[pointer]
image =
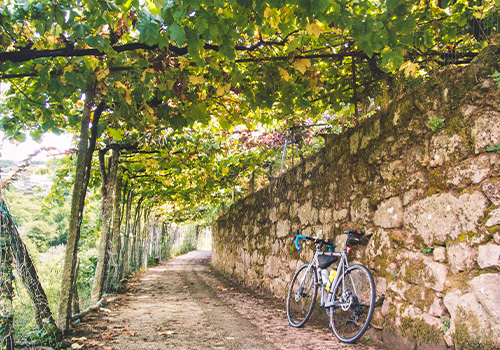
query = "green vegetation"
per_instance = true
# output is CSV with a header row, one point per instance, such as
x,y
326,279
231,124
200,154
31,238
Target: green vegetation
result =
x,y
436,123
468,334
446,324
418,331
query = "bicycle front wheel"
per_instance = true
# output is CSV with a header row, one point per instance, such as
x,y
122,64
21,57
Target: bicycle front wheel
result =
x,y
354,304
302,295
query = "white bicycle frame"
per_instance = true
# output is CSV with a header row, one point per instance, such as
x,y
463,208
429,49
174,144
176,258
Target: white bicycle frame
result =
x,y
342,266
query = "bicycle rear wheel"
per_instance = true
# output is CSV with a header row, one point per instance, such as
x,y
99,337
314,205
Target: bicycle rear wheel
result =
x,y
355,292
302,295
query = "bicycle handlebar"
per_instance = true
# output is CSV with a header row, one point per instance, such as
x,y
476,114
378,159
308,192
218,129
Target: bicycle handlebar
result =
x,y
353,231
321,241
314,239
297,241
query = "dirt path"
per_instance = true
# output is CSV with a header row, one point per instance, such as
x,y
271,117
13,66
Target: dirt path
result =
x,y
181,304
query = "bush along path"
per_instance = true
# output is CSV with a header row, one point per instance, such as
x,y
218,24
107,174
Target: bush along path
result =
x,y
181,304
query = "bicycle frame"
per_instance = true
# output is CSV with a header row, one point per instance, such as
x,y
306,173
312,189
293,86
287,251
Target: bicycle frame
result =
x,y
342,266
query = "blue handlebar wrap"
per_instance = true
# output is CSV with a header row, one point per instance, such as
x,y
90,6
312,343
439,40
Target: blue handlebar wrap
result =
x,y
297,241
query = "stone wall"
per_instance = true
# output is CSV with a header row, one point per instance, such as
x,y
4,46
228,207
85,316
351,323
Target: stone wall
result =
x,y
428,199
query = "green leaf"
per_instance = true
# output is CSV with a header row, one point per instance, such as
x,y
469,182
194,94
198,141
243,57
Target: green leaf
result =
x,y
392,4
177,34
96,41
148,26
293,44
116,134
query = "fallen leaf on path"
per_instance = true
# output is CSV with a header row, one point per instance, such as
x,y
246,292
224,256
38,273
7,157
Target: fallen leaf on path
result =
x,y
107,336
206,302
133,334
93,343
76,346
106,310
166,333
79,339
184,287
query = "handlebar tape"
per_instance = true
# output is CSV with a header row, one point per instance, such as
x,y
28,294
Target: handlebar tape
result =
x,y
297,241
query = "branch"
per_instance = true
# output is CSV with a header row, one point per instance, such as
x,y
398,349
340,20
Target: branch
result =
x,y
360,54
97,306
27,97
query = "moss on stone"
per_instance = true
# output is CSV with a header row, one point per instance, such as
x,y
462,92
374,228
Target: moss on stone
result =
x,y
420,296
469,335
419,332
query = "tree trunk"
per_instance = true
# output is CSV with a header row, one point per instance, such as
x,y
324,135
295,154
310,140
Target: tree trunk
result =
x,y
82,175
124,263
108,191
136,233
145,239
6,278
116,242
76,298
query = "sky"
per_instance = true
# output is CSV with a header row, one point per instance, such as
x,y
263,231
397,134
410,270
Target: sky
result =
x,y
20,151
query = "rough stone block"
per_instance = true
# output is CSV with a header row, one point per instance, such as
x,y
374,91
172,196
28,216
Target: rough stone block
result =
x,y
492,191
486,288
444,216
494,218
486,131
389,214
307,213
439,254
474,170
488,255
283,228
461,256
442,146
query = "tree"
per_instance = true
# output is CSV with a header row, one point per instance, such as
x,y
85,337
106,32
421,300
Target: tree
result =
x,y
172,82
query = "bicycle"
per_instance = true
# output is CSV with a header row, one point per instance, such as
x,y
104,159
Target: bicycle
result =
x,y
347,292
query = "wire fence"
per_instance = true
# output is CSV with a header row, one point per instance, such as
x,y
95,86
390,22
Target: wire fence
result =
x,y
29,296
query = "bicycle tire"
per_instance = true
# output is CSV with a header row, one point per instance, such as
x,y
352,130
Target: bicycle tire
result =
x,y
301,297
351,318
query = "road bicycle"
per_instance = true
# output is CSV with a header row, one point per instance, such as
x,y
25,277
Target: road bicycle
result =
x,y
346,292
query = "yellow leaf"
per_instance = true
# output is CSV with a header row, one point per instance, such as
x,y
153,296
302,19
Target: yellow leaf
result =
x,y
273,17
128,98
202,96
182,63
410,68
120,85
267,12
102,87
68,68
193,79
101,73
314,30
284,74
302,65
51,39
221,90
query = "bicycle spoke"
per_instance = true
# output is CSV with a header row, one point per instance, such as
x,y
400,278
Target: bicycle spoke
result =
x,y
356,294
302,296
